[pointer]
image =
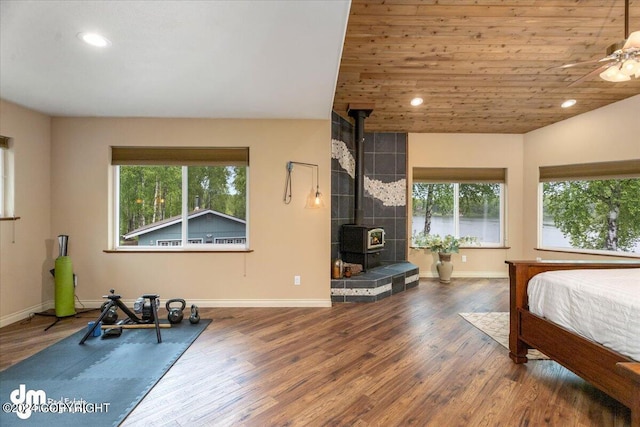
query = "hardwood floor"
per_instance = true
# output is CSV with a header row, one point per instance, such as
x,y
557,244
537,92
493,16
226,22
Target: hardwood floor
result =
x,y
407,360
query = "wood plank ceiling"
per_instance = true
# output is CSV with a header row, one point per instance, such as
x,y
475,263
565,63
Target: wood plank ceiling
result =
x,y
481,66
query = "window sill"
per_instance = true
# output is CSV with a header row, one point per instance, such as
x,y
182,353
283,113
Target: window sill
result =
x,y
9,218
466,247
174,251
586,252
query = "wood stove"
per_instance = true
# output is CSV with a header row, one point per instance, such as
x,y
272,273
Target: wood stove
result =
x,y
362,244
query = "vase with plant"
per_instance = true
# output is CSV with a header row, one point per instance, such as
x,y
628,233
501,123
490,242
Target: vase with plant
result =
x,y
444,247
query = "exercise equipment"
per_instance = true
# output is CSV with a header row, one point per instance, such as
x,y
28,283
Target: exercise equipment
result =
x,y
63,278
112,332
144,308
195,317
135,326
112,315
64,285
114,301
64,290
175,315
96,331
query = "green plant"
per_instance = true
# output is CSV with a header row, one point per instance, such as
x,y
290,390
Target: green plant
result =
x,y
436,243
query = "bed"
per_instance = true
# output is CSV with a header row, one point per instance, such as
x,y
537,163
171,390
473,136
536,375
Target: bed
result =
x,y
616,374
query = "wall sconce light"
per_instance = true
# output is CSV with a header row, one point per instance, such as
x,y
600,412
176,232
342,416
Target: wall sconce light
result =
x,y
314,200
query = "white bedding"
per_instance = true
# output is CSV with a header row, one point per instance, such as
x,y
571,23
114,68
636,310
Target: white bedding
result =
x,y
601,305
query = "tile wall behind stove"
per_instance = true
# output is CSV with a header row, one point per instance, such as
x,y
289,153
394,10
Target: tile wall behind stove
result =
x,y
385,170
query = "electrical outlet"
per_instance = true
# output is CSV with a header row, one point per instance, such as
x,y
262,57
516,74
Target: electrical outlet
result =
x,y
464,258
296,280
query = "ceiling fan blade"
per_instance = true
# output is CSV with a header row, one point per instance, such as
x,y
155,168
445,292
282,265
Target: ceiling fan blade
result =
x,y
587,76
616,53
577,64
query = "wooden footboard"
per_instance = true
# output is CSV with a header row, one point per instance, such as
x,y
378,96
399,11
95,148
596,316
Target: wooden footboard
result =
x,y
632,371
611,372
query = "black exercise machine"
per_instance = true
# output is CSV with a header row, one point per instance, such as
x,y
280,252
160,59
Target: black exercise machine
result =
x,y
114,301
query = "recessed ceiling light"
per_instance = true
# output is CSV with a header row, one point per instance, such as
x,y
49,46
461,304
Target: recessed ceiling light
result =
x,y
416,101
568,103
94,39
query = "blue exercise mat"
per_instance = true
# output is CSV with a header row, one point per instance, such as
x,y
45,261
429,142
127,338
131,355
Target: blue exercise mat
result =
x,y
97,383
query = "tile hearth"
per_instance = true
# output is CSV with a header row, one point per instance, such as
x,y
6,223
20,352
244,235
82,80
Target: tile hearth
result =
x,y
376,283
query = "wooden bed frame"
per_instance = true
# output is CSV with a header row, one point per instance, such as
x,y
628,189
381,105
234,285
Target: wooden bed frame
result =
x,y
611,372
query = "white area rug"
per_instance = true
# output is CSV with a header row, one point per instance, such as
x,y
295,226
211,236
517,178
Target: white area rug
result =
x,y
496,325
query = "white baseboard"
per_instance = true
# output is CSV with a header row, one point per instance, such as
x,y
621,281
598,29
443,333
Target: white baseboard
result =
x,y
262,303
24,314
229,302
469,274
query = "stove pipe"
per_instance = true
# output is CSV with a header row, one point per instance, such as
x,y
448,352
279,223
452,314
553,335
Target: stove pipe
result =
x,y
359,115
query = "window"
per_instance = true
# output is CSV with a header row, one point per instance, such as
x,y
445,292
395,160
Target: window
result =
x,y
3,179
6,178
591,207
192,198
461,202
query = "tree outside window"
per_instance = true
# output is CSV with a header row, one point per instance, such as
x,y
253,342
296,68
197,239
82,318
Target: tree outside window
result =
x,y
459,209
601,215
179,197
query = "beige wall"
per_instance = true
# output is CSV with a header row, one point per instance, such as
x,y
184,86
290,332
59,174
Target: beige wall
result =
x,y
285,240
473,150
63,187
26,244
606,134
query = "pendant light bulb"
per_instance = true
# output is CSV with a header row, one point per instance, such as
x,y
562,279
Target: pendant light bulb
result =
x,y
314,200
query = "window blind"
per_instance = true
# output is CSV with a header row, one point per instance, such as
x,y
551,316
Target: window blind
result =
x,y
623,169
461,175
186,156
4,142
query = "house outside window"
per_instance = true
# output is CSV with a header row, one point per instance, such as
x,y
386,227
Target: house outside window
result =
x,y
590,207
461,202
180,198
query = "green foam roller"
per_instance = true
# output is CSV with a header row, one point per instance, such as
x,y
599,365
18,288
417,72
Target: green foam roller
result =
x,y
64,292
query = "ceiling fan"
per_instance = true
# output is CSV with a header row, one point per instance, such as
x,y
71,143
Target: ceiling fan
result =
x,y
622,60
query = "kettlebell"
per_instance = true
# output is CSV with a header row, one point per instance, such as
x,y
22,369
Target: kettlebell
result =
x,y
195,317
112,315
175,315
